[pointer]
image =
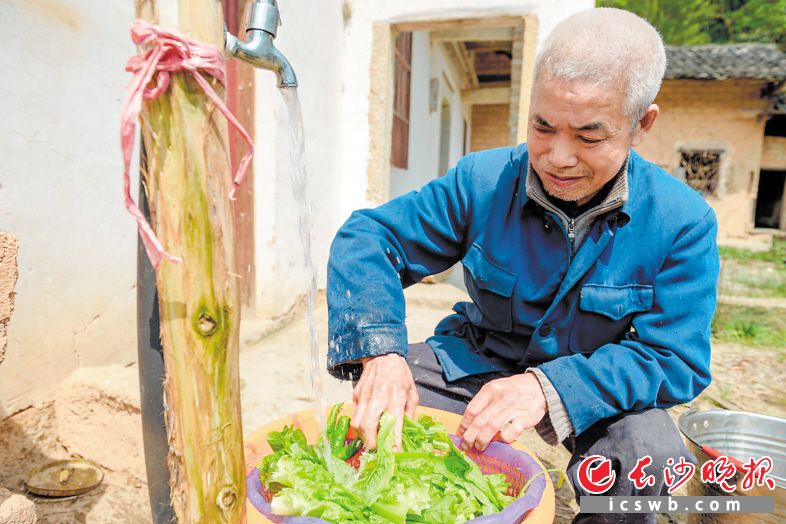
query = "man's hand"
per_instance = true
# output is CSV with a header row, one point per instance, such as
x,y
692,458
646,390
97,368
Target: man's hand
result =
x,y
385,385
507,405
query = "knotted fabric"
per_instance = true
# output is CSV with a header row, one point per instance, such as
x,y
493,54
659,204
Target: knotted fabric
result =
x,y
168,52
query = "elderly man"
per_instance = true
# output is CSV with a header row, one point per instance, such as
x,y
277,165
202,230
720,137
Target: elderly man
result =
x,y
592,272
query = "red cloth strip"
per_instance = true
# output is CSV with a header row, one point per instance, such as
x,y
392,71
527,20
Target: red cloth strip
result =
x,y
168,52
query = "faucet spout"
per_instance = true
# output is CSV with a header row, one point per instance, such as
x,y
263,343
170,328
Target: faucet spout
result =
x,y
259,50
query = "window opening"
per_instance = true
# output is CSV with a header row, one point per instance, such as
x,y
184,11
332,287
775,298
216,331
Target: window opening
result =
x,y
702,169
402,71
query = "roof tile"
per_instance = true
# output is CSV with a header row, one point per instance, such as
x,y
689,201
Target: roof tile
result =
x,y
724,62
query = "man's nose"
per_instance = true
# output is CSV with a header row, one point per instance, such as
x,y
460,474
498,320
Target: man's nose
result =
x,y
562,153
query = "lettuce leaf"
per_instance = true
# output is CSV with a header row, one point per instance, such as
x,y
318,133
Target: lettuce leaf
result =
x,y
429,480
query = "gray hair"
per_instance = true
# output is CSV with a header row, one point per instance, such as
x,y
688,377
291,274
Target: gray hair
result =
x,y
610,47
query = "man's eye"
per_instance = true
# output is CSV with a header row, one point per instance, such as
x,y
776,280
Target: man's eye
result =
x,y
590,140
543,130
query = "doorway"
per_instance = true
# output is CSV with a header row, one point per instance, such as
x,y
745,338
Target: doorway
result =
x,y
449,54
769,199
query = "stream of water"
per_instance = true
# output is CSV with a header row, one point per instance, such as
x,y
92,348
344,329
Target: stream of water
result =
x,y
300,193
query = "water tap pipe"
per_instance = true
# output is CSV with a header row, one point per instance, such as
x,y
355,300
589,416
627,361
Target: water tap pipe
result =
x,y
258,50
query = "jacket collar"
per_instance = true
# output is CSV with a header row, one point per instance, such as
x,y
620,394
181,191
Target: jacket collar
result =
x,y
624,186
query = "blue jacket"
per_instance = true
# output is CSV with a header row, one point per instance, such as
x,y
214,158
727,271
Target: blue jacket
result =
x,y
622,325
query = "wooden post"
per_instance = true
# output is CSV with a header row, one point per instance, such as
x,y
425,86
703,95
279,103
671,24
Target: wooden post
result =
x,y
187,180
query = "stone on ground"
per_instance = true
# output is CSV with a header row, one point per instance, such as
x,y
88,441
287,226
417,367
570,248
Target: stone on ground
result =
x,y
16,509
97,412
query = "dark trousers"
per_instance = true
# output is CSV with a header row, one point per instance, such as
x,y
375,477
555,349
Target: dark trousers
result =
x,y
623,439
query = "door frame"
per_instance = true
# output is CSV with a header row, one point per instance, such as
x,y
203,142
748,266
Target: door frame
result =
x,y
380,115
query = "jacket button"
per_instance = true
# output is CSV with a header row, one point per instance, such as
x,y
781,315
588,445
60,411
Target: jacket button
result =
x,y
544,330
546,225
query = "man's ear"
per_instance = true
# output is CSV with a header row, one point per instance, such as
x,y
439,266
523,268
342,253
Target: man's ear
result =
x,y
645,124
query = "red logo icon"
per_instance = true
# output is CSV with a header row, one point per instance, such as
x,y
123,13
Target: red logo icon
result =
x,y
683,471
719,471
756,472
595,475
637,475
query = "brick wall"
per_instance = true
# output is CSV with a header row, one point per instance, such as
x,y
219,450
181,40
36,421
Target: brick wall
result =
x,y
725,115
490,126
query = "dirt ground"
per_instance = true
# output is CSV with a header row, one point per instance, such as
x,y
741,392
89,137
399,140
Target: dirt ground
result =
x,y
29,439
276,381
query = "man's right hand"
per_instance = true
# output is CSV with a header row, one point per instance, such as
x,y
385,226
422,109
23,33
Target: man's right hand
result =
x,y
386,384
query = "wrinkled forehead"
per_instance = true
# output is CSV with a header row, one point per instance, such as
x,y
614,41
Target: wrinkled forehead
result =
x,y
580,104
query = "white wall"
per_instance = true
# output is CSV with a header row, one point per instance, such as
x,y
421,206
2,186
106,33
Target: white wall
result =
x,y
312,38
61,87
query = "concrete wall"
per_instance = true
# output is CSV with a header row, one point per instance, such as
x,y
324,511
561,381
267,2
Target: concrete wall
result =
x,y
429,61
723,115
63,81
312,38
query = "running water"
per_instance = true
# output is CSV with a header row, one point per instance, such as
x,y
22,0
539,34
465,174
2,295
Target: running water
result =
x,y
297,153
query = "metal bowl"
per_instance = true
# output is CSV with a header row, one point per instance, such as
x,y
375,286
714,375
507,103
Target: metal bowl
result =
x,y
739,435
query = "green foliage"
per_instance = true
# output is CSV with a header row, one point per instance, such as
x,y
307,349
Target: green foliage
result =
x,y
751,326
754,273
692,22
776,254
429,480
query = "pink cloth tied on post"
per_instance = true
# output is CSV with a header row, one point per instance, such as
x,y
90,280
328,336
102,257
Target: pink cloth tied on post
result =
x,y
168,52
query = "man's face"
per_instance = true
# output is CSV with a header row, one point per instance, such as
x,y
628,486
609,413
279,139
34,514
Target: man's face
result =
x,y
578,136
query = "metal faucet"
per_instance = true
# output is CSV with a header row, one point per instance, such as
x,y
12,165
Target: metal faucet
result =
x,y
259,50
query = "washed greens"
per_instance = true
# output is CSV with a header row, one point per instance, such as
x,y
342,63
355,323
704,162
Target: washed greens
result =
x,y
428,480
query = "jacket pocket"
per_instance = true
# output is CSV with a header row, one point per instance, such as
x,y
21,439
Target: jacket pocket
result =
x,y
491,288
605,314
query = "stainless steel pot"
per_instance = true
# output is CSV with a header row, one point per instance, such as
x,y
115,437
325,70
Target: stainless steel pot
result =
x,y
737,435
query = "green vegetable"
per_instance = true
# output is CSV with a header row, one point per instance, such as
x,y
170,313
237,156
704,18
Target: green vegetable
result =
x,y
331,421
429,481
339,435
336,432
